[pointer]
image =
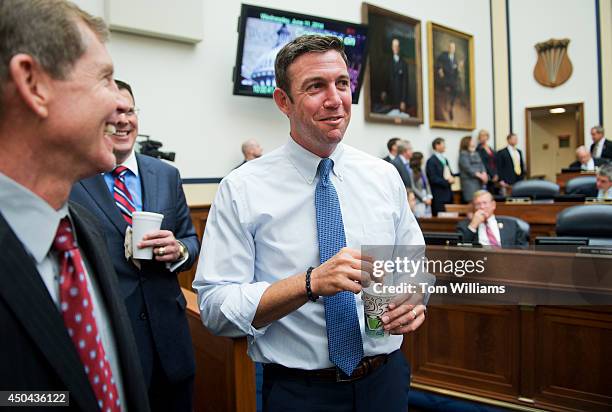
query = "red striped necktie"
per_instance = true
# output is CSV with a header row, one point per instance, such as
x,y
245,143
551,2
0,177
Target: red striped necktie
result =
x,y
77,312
121,194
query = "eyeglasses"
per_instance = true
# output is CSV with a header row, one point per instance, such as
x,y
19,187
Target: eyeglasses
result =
x,y
133,111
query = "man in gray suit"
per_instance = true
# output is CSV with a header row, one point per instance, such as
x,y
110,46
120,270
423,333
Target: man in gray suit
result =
x,y
402,162
488,230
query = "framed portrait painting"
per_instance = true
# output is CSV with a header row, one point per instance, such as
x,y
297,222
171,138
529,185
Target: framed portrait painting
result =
x,y
451,78
393,86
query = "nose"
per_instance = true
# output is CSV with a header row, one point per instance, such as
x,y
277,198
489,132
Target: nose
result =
x,y
332,100
122,105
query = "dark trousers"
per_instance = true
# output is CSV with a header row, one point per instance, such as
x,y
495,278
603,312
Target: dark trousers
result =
x,y
165,395
385,389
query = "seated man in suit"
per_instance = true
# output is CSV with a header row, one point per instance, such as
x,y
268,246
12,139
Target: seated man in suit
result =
x,y
392,148
485,229
601,147
156,305
584,160
64,325
604,182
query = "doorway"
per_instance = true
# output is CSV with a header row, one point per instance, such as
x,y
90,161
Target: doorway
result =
x,y
552,135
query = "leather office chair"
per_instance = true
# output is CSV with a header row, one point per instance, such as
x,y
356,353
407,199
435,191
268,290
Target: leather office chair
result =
x,y
582,185
535,189
523,226
592,221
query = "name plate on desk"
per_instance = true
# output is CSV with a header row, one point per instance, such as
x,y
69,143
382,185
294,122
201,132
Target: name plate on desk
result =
x,y
523,200
594,200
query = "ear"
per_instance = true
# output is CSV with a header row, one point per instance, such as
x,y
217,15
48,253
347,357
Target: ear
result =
x,y
31,82
282,100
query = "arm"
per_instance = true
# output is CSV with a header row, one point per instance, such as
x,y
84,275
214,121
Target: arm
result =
x,y
465,165
434,174
185,232
400,319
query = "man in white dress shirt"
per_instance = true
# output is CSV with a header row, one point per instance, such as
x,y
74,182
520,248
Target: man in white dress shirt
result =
x,y
261,238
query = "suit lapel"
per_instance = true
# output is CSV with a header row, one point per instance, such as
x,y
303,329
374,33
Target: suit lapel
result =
x,y
101,266
23,290
148,184
96,187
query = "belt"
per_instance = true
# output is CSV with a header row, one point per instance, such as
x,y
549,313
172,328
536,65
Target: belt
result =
x,y
367,365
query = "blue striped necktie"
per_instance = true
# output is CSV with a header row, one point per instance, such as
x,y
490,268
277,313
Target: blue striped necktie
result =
x,y
121,194
343,332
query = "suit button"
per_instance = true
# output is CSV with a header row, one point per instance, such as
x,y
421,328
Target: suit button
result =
x,y
143,316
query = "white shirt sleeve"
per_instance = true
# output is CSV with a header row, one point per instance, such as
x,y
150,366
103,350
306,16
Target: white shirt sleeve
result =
x,y
228,297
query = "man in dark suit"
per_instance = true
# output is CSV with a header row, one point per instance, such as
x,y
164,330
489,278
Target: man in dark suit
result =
x,y
440,177
601,147
392,148
585,162
155,303
488,230
402,163
447,71
510,163
64,325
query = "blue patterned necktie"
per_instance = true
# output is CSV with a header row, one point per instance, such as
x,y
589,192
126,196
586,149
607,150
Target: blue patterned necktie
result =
x,y
343,332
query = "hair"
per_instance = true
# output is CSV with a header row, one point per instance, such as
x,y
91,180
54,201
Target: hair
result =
x,y
416,163
483,131
510,135
581,148
598,129
48,31
247,145
392,142
403,145
125,86
480,193
436,142
311,43
606,171
465,143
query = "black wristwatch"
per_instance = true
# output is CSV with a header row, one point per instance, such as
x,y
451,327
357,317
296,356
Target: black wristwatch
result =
x,y
311,296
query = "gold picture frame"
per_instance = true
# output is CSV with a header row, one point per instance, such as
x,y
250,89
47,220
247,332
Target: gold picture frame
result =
x,y
393,86
452,100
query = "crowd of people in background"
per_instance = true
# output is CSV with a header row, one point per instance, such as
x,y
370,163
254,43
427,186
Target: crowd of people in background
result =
x,y
481,168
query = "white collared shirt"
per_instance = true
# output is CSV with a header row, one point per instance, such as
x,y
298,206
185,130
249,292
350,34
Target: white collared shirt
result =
x,y
262,228
599,148
590,165
35,224
483,239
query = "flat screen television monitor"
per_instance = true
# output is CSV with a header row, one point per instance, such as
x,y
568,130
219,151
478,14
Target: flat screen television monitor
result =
x,y
263,32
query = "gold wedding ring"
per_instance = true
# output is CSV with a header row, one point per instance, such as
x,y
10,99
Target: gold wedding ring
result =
x,y
414,313
161,251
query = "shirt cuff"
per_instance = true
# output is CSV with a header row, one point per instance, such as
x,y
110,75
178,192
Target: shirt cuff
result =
x,y
241,309
173,266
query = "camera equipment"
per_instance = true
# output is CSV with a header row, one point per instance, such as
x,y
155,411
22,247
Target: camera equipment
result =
x,y
151,148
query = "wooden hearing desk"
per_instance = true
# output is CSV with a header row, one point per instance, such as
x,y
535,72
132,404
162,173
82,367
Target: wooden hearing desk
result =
x,y
524,357
541,217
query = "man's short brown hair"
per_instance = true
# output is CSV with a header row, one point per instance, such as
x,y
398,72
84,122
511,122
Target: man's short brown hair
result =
x,y
46,30
311,43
